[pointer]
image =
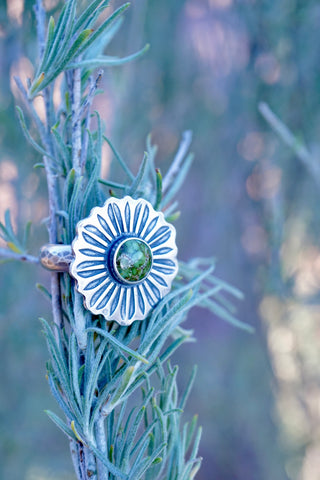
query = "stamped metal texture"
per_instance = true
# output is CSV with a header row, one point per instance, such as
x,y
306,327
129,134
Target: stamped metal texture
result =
x,y
124,259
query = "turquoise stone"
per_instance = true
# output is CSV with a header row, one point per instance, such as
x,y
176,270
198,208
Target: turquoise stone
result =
x,y
133,260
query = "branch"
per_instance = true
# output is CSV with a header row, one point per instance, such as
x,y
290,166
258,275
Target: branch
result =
x,y
40,17
75,458
76,120
9,255
291,140
91,466
102,445
93,88
51,177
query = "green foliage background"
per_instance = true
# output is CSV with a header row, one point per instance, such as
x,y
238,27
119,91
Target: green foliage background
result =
x,y
248,201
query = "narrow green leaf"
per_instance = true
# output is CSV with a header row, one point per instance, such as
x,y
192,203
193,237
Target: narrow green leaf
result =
x,y
65,429
89,358
117,396
105,61
134,430
172,218
146,463
4,233
43,290
28,136
64,58
171,209
222,313
49,41
118,426
228,288
143,446
63,149
37,83
144,438
82,37
74,206
74,368
110,466
9,236
190,432
178,181
6,230
103,27
14,248
92,382
78,437
8,224
62,214
195,448
86,14
97,48
161,325
62,34
118,344
60,367
26,235
162,424
68,188
90,185
187,391
140,176
111,184
99,139
170,388
159,189
196,468
119,158
58,395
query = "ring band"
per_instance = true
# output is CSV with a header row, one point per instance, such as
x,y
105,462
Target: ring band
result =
x,y
57,257
123,259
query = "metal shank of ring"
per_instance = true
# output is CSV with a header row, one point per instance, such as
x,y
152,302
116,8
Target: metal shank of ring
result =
x,y
56,257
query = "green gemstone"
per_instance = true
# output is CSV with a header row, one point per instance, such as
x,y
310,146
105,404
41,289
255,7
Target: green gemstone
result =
x,y
133,260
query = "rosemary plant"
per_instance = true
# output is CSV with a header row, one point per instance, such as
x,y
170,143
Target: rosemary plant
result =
x,y
115,385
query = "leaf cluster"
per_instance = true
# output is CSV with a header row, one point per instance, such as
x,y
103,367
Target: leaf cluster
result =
x,y
8,235
117,363
72,41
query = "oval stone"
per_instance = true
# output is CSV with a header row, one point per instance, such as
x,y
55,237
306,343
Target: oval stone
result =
x,y
133,260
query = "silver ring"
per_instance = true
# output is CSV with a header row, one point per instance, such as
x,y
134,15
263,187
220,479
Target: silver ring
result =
x,y
123,259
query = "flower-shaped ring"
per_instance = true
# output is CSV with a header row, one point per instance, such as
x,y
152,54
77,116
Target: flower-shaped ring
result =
x,y
124,259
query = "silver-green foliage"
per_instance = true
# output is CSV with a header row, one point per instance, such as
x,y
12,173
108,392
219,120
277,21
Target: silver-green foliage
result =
x,y
115,385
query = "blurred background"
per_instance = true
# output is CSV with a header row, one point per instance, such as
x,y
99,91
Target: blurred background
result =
x,y
248,201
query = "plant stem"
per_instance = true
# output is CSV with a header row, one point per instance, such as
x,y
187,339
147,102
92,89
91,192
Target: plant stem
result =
x,y
40,17
8,254
291,140
102,445
50,174
75,458
76,121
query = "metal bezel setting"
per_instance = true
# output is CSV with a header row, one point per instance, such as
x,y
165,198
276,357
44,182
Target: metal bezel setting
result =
x,y
114,260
